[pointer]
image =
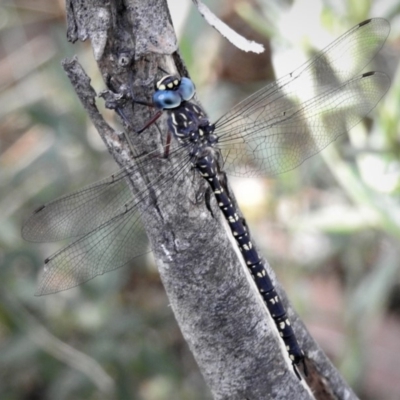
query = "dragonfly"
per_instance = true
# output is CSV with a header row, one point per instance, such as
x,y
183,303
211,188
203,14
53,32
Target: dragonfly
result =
x,y
271,132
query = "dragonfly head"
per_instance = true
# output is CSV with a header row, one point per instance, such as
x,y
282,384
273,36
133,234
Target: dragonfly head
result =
x,y
171,91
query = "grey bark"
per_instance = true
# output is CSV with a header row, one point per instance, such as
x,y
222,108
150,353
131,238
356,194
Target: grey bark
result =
x,y
216,305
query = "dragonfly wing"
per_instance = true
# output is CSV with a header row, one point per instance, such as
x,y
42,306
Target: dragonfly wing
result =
x,y
340,61
78,213
108,247
116,241
279,144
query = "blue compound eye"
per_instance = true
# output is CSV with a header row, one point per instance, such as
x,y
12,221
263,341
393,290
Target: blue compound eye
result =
x,y
166,99
186,89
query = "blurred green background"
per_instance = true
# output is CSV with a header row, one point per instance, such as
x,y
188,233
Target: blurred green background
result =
x,y
330,228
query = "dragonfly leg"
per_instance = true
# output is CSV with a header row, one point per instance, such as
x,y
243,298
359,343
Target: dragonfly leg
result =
x,y
115,100
151,121
167,145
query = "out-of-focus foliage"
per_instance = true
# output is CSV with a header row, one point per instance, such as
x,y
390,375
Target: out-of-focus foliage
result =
x,y
330,228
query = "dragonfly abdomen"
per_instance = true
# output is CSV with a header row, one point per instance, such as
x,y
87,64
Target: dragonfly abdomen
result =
x,y
208,169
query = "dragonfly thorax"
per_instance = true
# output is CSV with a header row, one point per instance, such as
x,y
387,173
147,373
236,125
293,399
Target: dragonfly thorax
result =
x,y
190,125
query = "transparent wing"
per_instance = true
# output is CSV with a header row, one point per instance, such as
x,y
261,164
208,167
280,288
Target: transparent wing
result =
x,y
266,115
110,245
273,147
79,213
